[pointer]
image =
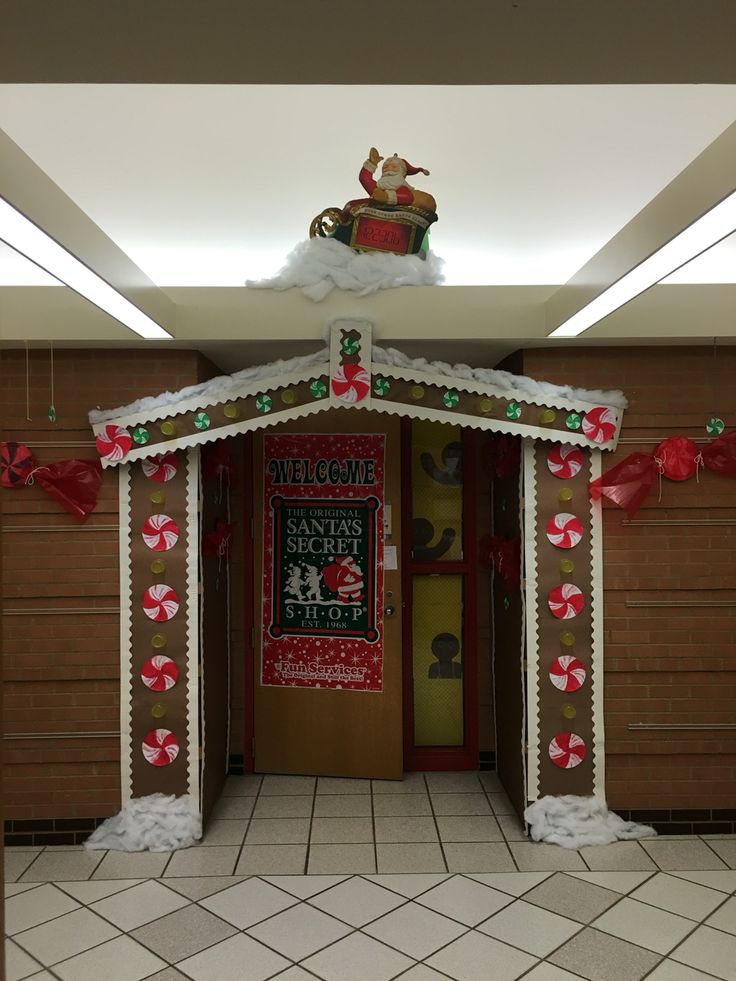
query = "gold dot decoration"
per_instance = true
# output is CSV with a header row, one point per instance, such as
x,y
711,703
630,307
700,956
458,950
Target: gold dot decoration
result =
x,y
288,396
168,428
547,417
158,641
484,405
565,495
157,497
567,638
569,711
158,566
158,711
416,392
231,411
567,566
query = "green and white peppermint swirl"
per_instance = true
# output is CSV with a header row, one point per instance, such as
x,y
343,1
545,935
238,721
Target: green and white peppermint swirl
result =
x,y
574,421
264,403
350,346
450,398
140,435
715,426
381,386
202,420
513,410
318,389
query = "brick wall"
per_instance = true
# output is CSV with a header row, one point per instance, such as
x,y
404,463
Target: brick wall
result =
x,y
669,580
61,669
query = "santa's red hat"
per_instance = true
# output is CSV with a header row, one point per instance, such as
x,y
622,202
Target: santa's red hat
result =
x,y
411,169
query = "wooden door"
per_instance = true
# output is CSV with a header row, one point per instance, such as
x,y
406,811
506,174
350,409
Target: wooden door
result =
x,y
314,727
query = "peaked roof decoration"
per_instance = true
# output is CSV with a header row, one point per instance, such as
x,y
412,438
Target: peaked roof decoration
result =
x,y
353,373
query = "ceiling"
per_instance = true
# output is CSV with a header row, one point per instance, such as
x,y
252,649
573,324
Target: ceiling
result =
x,y
202,186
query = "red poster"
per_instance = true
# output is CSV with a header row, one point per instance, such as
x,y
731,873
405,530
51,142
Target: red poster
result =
x,y
323,561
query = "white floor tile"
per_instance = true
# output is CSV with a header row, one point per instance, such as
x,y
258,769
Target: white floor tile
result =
x,y
121,959
212,860
341,830
548,972
415,930
622,882
724,917
465,900
15,888
199,887
55,866
245,786
352,805
410,858
535,856
277,831
141,904
460,804
402,828
401,805
412,783
304,886
240,958
272,860
357,901
233,808
678,896
37,906
408,885
726,848
670,970
454,783
479,856
299,932
723,881
342,785
248,903
65,936
131,865
688,854
94,889
619,856
643,925
225,832
535,930
710,951
17,861
284,806
470,957
469,828
18,964
341,859
513,883
292,786
500,804
294,973
423,973
352,958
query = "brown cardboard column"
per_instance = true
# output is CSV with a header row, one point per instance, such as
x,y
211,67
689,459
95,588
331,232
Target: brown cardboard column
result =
x,y
152,710
555,706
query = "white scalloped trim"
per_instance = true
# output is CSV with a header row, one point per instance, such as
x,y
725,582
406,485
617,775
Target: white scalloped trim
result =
x,y
532,619
193,740
597,644
126,661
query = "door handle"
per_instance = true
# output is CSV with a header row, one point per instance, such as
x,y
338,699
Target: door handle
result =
x,y
388,611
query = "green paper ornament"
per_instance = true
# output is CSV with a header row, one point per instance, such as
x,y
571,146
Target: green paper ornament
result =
x,y
513,410
140,435
381,386
202,420
264,403
714,426
451,398
318,389
506,602
574,421
52,413
350,346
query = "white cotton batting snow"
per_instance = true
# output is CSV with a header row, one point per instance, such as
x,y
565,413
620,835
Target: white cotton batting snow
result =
x,y
321,264
157,823
574,822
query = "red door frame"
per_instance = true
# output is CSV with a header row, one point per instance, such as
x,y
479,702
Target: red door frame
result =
x,y
248,606
463,757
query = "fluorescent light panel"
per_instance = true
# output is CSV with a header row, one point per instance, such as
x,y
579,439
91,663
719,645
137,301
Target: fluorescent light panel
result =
x,y
31,241
704,233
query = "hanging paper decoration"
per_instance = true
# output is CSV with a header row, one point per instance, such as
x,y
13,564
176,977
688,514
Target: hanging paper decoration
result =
x,y
628,483
564,461
161,467
159,673
160,532
564,530
714,426
74,484
567,673
217,542
113,443
677,458
351,383
318,389
504,455
513,411
16,463
565,601
160,602
567,750
450,398
720,455
381,386
140,435
264,403
216,460
160,747
574,421
599,424
202,420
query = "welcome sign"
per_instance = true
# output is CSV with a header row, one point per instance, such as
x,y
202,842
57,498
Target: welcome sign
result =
x,y
323,568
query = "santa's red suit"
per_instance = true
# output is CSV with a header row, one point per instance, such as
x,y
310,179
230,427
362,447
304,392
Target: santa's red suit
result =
x,y
403,194
344,578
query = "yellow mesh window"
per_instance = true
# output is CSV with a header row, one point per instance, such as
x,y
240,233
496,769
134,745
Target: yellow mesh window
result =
x,y
438,660
437,492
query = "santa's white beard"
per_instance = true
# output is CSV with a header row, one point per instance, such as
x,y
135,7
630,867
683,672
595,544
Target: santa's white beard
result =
x,y
390,182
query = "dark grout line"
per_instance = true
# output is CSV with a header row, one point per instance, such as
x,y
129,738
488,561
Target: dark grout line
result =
x,y
436,825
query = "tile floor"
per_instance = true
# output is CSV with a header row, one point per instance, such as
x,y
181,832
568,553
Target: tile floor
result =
x,y
348,880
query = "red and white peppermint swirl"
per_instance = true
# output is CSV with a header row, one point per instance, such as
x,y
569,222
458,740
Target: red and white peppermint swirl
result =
x,y
599,425
159,673
160,747
351,383
160,602
113,443
565,601
567,673
161,467
564,461
564,530
160,532
567,750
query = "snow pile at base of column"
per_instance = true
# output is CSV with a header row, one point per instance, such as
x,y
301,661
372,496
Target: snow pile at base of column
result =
x,y
574,822
157,823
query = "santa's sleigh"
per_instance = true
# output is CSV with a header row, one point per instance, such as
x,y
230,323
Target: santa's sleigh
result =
x,y
369,226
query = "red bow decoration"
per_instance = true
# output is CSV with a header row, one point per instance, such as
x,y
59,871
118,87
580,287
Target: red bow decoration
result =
x,y
504,455
217,542
676,458
216,460
74,484
504,555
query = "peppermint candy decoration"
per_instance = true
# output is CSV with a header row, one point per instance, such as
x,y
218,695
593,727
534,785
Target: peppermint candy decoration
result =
x,y
202,420
599,425
714,426
160,602
350,346
161,467
113,443
351,383
567,673
565,461
564,530
160,747
567,750
565,601
513,411
159,673
264,403
160,532
318,389
574,421
140,435
381,386
450,398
